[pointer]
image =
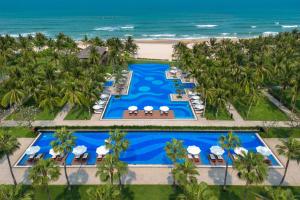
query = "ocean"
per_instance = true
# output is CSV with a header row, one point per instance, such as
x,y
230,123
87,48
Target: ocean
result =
x,y
152,19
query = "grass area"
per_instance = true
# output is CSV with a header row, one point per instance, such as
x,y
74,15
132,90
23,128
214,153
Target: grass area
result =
x,y
264,110
78,113
153,192
286,97
281,133
222,114
20,132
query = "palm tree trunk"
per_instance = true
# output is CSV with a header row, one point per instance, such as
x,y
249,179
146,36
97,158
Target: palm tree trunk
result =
x,y
111,178
10,169
48,192
226,171
66,174
249,109
285,171
120,181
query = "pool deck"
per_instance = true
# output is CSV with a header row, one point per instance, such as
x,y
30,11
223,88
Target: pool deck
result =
x,y
155,115
151,175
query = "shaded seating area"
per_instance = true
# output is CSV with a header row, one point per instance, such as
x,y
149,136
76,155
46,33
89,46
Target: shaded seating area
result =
x,y
196,101
193,154
80,155
266,152
140,114
101,153
215,157
33,155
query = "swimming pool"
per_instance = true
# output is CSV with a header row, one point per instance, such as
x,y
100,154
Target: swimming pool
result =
x,y
147,147
149,87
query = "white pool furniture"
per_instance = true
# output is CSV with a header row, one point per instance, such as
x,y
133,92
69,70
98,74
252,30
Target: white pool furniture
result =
x,y
217,150
194,150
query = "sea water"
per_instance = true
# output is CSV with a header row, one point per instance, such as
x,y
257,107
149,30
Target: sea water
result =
x,y
151,19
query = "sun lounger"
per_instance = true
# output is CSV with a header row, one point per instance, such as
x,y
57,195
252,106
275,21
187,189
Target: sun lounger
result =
x,y
77,157
131,112
212,158
31,158
85,156
220,159
267,161
39,156
196,159
190,157
234,157
136,112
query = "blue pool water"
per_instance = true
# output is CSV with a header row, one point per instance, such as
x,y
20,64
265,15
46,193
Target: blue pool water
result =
x,y
108,83
148,147
149,87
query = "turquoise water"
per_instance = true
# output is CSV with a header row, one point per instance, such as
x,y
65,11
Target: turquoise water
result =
x,y
151,19
149,87
148,147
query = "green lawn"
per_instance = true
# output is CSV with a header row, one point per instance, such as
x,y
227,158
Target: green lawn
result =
x,y
286,98
222,114
148,192
20,132
78,113
264,110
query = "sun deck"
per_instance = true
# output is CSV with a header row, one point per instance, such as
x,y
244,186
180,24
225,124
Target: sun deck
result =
x,y
155,115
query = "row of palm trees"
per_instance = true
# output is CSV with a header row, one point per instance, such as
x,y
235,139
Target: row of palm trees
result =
x,y
229,71
53,76
251,167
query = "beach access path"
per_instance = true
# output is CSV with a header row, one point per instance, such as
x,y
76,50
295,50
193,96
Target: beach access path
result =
x,y
148,174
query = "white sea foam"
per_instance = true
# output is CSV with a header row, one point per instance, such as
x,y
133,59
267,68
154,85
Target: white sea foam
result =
x,y
114,28
127,27
225,34
164,35
253,26
269,33
289,26
206,26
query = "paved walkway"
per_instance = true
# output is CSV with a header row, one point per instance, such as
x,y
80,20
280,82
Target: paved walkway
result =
x,y
280,105
63,113
151,175
235,114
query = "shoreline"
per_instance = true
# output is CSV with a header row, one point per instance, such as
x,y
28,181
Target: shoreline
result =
x,y
185,40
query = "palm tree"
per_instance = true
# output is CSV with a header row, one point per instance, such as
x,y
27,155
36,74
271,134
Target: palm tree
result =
x,y
64,143
15,193
106,169
104,192
277,194
44,172
8,145
13,97
175,152
196,191
185,173
228,142
289,148
252,169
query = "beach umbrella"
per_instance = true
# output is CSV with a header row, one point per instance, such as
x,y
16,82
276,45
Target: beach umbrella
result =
x,y
191,93
148,108
132,108
164,108
217,150
196,97
97,107
194,150
104,96
173,71
32,150
200,107
53,153
100,102
79,150
240,150
102,150
263,150
197,102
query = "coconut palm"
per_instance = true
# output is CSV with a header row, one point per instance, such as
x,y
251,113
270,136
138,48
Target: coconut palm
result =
x,y
44,172
185,173
276,194
252,169
15,193
8,145
106,169
104,192
64,144
228,142
197,191
289,148
175,152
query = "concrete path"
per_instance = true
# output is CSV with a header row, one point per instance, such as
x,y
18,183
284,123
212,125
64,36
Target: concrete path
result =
x,y
280,105
235,114
63,113
150,175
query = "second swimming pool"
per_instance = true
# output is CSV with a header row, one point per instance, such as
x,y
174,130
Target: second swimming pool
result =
x,y
147,147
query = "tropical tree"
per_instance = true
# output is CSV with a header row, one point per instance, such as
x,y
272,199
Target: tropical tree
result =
x,y
228,142
185,173
106,169
252,169
175,152
44,172
15,193
64,143
289,148
8,145
276,194
196,191
104,192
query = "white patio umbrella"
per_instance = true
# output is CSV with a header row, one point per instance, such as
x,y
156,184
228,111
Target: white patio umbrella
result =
x,y
104,96
200,107
194,150
174,68
173,71
191,93
97,107
132,108
196,97
148,108
79,150
101,102
240,150
217,150
53,153
32,150
197,102
164,108
102,150
263,150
